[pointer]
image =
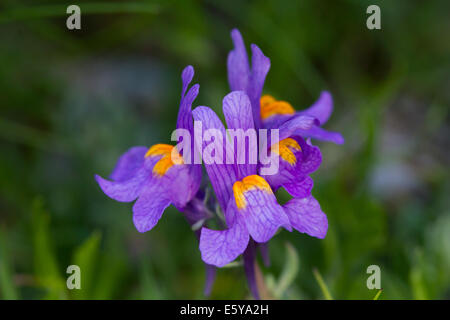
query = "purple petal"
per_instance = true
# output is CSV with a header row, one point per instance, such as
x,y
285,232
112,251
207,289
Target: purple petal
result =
x,y
294,177
180,184
276,120
262,214
222,176
186,77
238,111
295,123
149,207
321,109
306,216
309,158
184,120
299,188
128,163
237,63
219,248
260,68
238,115
125,191
241,77
321,134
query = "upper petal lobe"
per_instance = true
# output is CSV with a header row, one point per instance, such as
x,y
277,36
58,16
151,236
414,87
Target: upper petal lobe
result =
x,y
322,108
237,63
223,175
128,163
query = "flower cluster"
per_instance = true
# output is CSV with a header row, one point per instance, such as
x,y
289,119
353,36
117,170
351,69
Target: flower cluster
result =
x,y
244,204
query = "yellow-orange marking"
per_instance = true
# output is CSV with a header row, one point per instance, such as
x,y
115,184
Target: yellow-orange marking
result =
x,y
285,148
170,157
248,183
270,107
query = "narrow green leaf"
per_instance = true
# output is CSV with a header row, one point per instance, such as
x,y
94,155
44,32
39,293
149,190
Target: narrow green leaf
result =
x,y
45,263
417,276
86,257
233,264
289,272
112,269
378,294
8,290
149,286
322,284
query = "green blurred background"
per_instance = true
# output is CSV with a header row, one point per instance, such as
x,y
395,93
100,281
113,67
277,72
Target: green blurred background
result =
x,y
72,101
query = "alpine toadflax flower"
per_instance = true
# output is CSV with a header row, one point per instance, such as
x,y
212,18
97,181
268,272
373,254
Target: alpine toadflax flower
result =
x,y
156,176
163,174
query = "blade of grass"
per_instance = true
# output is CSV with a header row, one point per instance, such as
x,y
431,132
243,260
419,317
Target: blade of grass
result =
x,y
378,294
8,291
417,276
289,272
85,257
112,269
322,284
150,289
45,262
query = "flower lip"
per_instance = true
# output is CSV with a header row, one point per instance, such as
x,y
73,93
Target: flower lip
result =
x,y
251,182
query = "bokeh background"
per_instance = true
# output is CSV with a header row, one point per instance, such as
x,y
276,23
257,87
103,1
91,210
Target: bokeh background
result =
x,y
72,101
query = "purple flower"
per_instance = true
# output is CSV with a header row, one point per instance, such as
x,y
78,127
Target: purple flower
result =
x,y
157,176
251,209
162,175
268,112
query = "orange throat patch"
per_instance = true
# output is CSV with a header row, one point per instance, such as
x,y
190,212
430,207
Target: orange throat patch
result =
x,y
252,182
170,157
285,149
270,107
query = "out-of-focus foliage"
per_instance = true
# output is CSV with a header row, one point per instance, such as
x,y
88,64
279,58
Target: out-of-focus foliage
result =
x,y
72,101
